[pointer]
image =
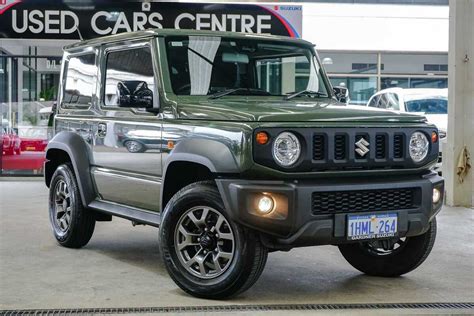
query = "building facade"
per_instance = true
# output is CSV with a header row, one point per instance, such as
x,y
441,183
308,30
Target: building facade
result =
x,y
372,45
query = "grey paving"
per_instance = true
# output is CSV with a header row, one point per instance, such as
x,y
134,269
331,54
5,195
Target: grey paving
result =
x,y
121,266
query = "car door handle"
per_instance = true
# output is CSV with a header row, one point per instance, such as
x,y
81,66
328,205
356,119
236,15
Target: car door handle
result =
x,y
101,129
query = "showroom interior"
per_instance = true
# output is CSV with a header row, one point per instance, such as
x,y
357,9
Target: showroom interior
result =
x,y
364,46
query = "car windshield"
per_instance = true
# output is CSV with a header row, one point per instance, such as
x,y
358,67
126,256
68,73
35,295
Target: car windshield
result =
x,y
427,104
217,67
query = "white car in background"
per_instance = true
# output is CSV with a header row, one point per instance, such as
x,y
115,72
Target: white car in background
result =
x,y
432,103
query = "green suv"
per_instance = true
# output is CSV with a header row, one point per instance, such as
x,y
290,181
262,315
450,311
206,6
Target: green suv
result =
x,y
235,145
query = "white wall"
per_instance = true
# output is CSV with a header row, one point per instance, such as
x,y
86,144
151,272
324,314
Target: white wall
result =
x,y
371,27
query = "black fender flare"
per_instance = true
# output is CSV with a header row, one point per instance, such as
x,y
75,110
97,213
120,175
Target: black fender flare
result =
x,y
214,155
81,158
211,153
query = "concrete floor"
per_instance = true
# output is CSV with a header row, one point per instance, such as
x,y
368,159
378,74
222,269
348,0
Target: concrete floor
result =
x,y
121,266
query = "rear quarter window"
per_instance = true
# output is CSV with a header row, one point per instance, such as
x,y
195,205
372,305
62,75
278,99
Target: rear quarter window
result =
x,y
80,82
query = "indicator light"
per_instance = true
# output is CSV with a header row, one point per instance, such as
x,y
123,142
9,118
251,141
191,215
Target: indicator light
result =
x,y
261,138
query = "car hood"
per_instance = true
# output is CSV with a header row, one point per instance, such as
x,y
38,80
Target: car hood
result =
x,y
277,110
440,120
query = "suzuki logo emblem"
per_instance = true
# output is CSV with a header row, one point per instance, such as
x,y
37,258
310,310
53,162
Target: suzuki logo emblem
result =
x,y
362,147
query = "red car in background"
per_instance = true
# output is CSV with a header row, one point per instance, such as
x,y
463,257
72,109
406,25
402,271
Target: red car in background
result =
x,y
11,143
33,144
34,139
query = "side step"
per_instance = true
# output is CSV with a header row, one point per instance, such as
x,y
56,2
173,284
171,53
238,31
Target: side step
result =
x,y
133,214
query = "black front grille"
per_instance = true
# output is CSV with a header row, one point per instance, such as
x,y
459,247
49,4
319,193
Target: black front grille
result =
x,y
359,149
363,201
329,149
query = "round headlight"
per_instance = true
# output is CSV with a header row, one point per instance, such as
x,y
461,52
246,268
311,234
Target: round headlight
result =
x,y
419,146
286,149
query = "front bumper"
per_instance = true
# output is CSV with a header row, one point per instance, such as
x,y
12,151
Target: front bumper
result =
x,y
302,226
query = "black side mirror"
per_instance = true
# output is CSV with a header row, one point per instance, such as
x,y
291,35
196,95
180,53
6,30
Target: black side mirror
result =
x,y
342,94
54,108
134,94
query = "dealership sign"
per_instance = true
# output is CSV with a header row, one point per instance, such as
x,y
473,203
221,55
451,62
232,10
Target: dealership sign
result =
x,y
89,19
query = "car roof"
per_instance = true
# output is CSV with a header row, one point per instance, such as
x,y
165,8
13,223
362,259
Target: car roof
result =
x,y
175,32
416,91
426,91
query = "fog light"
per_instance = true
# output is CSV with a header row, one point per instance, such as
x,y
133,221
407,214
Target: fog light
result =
x,y
436,195
265,204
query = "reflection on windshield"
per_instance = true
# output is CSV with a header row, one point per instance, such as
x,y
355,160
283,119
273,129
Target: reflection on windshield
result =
x,y
206,65
428,106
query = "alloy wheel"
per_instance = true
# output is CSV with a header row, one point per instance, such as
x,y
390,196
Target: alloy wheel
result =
x,y
204,242
62,206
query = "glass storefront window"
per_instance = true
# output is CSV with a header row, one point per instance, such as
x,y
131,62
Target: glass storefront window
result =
x,y
392,82
360,89
25,106
428,83
387,82
404,70
349,63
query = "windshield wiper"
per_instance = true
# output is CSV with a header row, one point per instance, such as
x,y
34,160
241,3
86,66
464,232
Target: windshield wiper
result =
x,y
219,94
305,92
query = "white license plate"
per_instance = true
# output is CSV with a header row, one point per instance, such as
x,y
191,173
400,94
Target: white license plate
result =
x,y
372,226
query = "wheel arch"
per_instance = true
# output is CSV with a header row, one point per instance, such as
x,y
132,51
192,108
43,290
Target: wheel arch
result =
x,y
69,147
180,173
194,160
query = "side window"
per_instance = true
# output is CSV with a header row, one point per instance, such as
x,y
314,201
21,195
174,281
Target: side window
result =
x,y
382,104
129,80
80,80
373,102
392,101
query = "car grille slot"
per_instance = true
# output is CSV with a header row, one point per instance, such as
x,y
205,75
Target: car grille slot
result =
x,y
340,147
380,146
319,145
335,202
398,145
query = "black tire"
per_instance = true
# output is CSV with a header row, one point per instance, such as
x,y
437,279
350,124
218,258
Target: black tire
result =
x,y
242,270
407,257
81,222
